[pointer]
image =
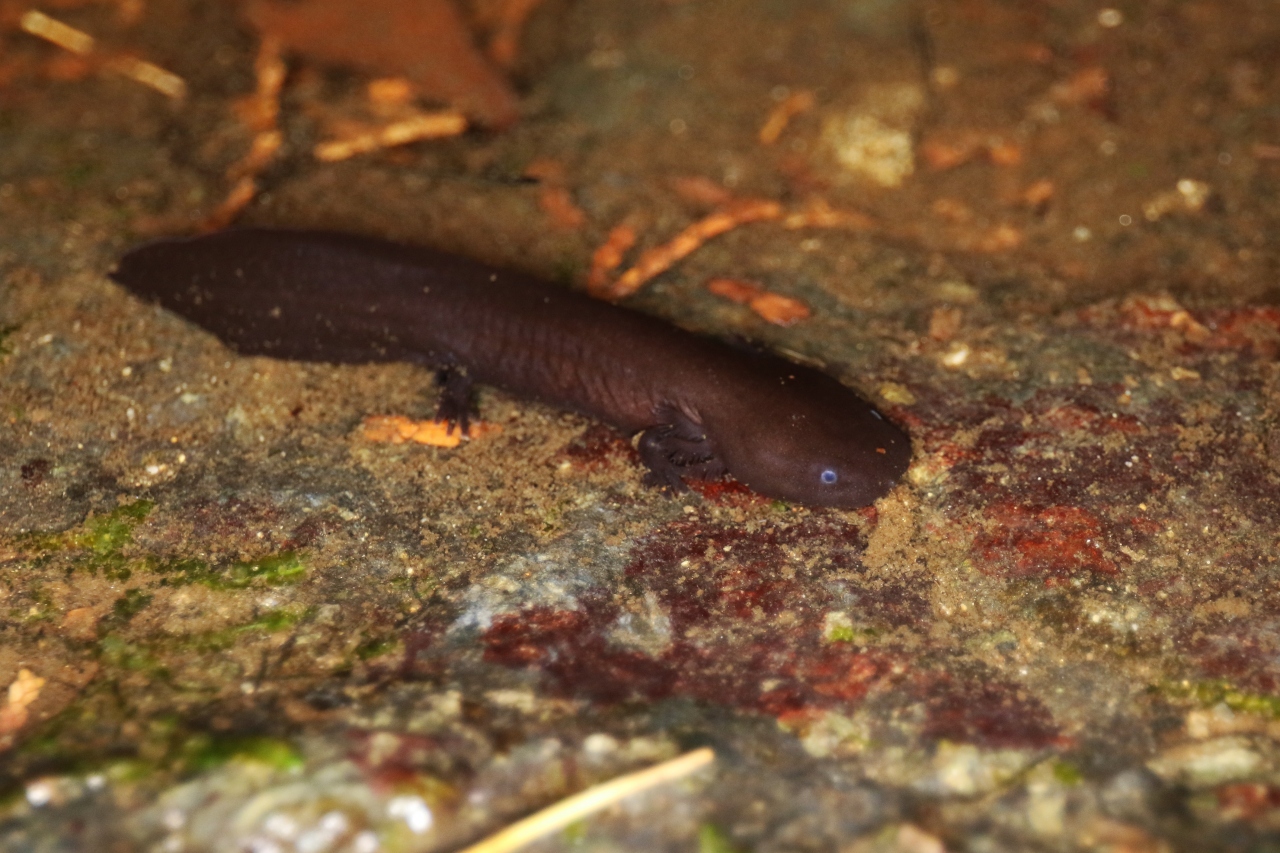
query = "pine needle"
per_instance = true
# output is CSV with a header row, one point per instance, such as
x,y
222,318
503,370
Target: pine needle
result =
x,y
588,802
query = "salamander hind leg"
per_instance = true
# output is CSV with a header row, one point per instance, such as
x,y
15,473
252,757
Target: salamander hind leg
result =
x,y
675,450
454,407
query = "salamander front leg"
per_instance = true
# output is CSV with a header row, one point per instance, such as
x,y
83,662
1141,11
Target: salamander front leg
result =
x,y
674,451
454,406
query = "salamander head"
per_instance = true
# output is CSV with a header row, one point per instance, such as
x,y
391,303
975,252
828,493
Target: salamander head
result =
x,y
828,447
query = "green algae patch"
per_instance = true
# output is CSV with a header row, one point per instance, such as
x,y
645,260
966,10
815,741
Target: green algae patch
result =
x,y
103,537
275,570
838,627
6,332
133,602
106,535
287,567
1206,694
133,657
203,752
1067,773
712,839
376,647
97,547
575,833
270,622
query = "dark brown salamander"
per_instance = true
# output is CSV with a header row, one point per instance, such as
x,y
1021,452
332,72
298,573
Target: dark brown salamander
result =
x,y
703,408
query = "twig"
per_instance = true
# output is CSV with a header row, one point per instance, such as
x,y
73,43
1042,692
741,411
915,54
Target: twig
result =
x,y
661,258
609,257
422,126
52,30
590,801
82,44
792,106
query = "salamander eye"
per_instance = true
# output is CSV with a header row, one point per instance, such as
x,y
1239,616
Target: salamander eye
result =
x,y
828,476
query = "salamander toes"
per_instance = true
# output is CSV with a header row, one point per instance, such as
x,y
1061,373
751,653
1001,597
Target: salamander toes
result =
x,y
671,456
454,406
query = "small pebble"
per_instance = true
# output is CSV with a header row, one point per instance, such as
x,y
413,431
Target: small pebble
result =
x,y
40,793
413,810
1110,18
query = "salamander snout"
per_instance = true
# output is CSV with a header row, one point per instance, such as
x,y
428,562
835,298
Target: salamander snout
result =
x,y
845,455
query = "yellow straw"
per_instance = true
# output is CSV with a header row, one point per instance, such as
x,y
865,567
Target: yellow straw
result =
x,y
51,29
590,801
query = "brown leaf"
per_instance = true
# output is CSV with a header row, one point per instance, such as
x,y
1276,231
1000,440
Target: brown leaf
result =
x,y
425,42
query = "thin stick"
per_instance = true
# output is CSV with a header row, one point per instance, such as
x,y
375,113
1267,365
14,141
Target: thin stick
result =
x,y
422,126
590,801
662,258
51,29
82,44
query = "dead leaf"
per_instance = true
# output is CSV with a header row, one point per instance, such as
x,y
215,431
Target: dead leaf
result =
x,y
24,690
397,429
425,42
772,307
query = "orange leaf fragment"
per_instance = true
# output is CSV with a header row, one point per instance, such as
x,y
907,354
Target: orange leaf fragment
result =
x,y
818,213
944,322
261,152
261,110
504,46
772,307
558,204
778,309
397,429
1001,238
390,92
943,154
1036,52
734,289
22,693
659,259
80,623
553,196
1087,85
547,169
1004,153
700,190
952,210
609,257
1039,194
237,200
25,689
791,106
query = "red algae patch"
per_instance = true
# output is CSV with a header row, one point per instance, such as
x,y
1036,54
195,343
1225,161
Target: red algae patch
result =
x,y
747,623
1041,541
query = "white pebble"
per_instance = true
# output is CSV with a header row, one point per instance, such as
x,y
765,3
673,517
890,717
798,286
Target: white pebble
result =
x,y
1110,18
262,845
281,826
365,842
413,810
40,793
600,744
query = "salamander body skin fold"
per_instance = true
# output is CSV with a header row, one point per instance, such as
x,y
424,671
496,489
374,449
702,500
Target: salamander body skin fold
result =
x,y
703,408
